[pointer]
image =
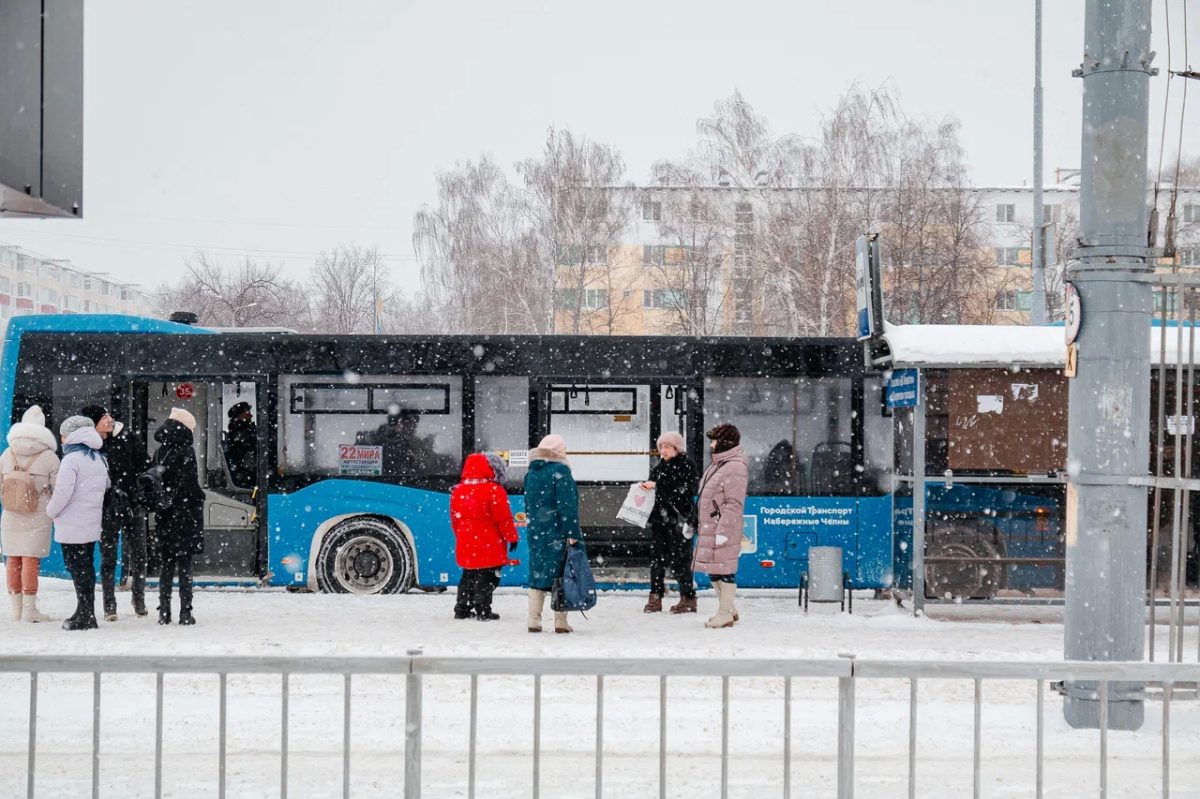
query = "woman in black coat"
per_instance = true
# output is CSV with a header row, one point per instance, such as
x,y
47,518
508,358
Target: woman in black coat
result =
x,y
180,527
674,481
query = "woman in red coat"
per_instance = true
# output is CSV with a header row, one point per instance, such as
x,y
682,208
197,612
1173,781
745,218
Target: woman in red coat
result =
x,y
483,523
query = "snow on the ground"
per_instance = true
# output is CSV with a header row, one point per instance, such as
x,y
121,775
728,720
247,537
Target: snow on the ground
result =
x,y
277,623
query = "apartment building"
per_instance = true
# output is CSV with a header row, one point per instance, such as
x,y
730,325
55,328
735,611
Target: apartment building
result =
x,y
651,283
32,284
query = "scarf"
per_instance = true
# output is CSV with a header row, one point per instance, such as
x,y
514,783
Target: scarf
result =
x,y
85,449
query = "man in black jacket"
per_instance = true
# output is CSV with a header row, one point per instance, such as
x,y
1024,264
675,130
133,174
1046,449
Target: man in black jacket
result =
x,y
124,519
242,446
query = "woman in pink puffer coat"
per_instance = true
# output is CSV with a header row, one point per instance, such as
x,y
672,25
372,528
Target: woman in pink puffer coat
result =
x,y
719,517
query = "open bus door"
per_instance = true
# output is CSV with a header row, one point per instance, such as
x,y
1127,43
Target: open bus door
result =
x,y
231,455
611,429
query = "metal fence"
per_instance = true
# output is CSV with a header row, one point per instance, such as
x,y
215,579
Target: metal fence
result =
x,y
415,668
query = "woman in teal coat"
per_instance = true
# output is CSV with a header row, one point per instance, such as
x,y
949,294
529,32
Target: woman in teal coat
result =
x,y
552,504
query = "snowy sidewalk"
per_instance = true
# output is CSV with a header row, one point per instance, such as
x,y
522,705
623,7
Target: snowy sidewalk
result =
x,y
772,626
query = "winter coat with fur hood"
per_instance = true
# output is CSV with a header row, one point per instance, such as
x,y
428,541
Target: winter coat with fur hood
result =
x,y
179,528
719,511
32,446
552,504
77,506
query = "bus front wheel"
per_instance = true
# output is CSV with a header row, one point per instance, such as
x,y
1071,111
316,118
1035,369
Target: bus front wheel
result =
x,y
365,555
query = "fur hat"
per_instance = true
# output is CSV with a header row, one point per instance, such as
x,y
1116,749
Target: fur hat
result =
x,y
726,435
184,417
555,443
72,424
672,439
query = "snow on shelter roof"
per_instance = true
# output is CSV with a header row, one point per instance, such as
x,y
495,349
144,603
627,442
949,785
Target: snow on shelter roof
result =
x,y
1002,345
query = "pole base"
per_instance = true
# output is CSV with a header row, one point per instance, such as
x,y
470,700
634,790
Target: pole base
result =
x,y
1084,714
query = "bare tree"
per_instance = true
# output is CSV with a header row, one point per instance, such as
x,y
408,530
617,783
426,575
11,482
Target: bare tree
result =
x,y
481,262
241,293
347,286
579,208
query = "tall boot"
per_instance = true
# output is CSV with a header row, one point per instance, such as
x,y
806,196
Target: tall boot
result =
x,y
185,593
109,589
724,617
16,597
138,588
560,622
164,598
537,602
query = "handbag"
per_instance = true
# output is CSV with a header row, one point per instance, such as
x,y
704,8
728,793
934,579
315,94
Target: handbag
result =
x,y
575,587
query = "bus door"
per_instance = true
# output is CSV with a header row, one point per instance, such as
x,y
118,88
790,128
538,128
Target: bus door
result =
x,y
231,454
611,430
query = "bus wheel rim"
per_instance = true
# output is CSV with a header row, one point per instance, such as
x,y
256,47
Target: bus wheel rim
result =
x,y
364,565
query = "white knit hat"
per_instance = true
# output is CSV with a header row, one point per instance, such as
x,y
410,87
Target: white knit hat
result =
x,y
184,417
34,416
73,423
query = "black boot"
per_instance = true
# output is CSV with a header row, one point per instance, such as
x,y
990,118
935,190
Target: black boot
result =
x,y
87,622
185,591
164,612
110,601
138,588
487,615
185,617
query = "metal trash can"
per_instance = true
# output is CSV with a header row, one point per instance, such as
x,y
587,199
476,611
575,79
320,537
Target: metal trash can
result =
x,y
825,580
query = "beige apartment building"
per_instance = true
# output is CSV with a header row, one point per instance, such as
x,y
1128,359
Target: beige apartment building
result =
x,y
648,285
32,284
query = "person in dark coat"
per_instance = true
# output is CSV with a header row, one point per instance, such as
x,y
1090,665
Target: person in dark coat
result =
x,y
781,471
674,481
124,527
484,534
242,446
179,528
552,504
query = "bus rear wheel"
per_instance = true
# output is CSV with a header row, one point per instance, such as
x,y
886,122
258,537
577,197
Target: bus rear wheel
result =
x,y
365,555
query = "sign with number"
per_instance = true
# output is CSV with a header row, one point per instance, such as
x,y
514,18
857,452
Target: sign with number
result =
x,y
358,461
1074,314
902,388
185,391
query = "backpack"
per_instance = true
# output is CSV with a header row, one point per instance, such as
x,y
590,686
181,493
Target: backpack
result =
x,y
154,494
576,588
18,494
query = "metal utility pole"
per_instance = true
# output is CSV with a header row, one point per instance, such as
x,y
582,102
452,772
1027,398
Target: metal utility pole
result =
x,y
1037,313
1109,434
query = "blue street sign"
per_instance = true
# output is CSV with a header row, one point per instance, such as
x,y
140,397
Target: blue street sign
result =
x,y
902,389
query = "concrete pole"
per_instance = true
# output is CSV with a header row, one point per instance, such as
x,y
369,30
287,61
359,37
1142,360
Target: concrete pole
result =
x,y
1110,395
1037,313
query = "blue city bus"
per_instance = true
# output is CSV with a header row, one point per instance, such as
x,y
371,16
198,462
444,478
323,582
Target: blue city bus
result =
x,y
361,438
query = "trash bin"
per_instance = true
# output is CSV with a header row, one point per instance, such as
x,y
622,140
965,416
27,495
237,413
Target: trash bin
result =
x,y
825,581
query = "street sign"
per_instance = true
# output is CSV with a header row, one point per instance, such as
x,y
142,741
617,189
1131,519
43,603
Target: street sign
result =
x,y
902,388
868,286
1074,314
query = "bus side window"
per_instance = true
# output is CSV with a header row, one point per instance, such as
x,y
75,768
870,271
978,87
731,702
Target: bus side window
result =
x,y
502,420
794,430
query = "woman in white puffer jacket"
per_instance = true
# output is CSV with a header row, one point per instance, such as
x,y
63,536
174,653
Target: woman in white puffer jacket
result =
x,y
77,509
25,537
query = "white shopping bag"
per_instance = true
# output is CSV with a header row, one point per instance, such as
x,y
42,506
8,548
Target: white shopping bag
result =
x,y
637,506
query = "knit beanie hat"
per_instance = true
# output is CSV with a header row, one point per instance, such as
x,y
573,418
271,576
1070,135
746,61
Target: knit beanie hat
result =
x,y
726,435
34,416
672,439
72,424
184,417
554,442
94,412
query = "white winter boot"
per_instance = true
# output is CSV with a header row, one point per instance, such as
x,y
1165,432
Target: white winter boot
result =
x,y
560,622
29,610
537,601
17,604
724,617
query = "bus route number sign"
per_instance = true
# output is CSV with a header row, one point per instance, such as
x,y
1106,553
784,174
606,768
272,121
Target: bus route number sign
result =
x,y
355,460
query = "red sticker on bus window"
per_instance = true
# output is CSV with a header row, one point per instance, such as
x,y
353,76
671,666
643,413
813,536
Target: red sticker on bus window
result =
x,y
185,391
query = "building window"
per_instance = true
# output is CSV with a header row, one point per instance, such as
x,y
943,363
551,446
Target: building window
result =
x,y
1007,256
89,306
74,278
87,284
24,289
1052,213
105,288
1189,257
651,211
593,299
109,309
49,271
1006,212
1172,301
656,299
5,285
70,302
24,263
1024,300
48,296
1191,213
1006,301
652,255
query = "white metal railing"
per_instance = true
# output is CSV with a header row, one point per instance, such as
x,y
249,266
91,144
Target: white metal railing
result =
x,y
415,667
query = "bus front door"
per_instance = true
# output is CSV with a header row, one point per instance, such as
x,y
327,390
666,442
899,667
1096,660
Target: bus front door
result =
x,y
611,430
230,444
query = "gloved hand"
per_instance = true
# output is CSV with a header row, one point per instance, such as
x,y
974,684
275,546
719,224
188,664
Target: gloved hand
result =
x,y
512,546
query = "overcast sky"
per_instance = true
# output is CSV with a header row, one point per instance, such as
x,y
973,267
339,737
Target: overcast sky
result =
x,y
282,128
